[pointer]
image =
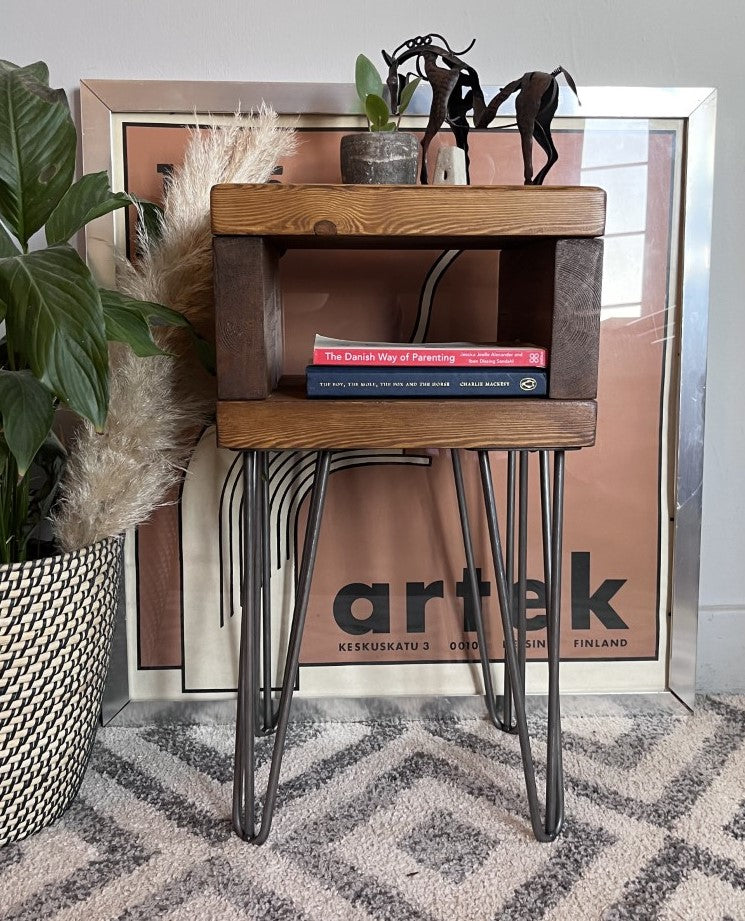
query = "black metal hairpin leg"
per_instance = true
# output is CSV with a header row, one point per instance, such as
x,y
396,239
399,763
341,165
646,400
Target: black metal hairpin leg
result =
x,y
489,698
507,725
555,772
554,819
268,713
244,807
522,570
515,600
256,554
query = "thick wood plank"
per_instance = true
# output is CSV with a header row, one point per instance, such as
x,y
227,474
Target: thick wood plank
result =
x,y
549,294
288,421
248,317
343,214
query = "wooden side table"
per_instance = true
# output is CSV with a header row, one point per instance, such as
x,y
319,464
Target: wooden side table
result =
x,y
549,294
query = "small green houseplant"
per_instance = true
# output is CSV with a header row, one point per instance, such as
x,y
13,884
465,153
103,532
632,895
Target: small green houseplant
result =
x,y
56,609
384,155
372,94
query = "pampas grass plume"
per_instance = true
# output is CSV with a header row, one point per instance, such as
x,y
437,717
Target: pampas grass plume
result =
x,y
115,480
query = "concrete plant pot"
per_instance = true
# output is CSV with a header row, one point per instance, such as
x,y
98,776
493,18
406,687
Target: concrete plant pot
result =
x,y
379,158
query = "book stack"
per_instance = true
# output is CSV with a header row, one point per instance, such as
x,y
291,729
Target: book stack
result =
x,y
380,370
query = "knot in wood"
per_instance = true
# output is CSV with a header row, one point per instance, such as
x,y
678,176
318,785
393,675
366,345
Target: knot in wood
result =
x,y
324,228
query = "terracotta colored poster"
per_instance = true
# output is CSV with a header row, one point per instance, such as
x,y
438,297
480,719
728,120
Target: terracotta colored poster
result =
x,y
390,608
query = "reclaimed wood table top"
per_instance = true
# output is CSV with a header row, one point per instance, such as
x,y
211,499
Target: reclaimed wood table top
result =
x,y
425,216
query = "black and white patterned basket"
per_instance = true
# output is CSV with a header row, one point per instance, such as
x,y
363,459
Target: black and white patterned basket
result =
x,y
56,622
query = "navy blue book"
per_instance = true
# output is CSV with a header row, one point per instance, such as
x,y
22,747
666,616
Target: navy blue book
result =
x,y
336,381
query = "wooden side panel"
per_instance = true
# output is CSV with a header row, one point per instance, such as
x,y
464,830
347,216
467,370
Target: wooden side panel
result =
x,y
549,294
575,337
248,317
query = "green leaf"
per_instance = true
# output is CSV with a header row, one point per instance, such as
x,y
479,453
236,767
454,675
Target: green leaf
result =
x,y
406,93
116,304
7,246
37,149
27,409
46,475
39,71
126,321
367,79
147,309
90,197
55,321
389,126
377,112
158,314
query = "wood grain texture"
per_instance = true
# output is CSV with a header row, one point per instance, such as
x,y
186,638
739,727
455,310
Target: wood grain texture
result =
x,y
287,420
248,317
343,214
549,294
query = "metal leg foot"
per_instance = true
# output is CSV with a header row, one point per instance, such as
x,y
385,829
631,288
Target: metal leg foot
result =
x,y
244,808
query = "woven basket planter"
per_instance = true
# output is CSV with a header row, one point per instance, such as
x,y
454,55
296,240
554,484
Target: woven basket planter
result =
x,y
56,623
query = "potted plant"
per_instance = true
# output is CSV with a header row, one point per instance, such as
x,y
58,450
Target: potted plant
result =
x,y
383,155
56,609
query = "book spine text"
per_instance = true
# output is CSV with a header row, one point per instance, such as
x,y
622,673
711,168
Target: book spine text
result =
x,y
325,381
434,357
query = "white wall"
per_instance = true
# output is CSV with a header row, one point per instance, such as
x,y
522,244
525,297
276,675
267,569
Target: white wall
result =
x,y
601,42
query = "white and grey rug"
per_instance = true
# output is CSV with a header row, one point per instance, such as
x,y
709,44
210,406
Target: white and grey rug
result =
x,y
401,820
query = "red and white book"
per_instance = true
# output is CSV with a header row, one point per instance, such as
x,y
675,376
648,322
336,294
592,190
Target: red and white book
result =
x,y
328,351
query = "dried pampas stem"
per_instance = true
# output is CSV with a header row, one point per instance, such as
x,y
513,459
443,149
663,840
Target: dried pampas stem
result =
x,y
115,480
176,269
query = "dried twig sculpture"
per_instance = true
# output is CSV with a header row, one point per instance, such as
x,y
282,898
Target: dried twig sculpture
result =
x,y
456,91
535,106
449,84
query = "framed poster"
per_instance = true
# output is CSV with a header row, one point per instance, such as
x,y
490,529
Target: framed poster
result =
x,y
389,605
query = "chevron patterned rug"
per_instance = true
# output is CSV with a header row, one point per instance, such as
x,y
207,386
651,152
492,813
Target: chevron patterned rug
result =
x,y
401,820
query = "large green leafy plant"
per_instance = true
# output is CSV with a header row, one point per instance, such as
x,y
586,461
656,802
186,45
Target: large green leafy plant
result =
x,y
373,94
57,320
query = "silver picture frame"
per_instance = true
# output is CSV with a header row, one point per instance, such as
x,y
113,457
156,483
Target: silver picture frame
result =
x,y
102,100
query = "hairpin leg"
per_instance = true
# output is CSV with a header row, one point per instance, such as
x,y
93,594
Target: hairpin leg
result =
x,y
256,558
269,715
244,808
551,826
489,698
522,568
257,555
243,778
507,724
515,602
552,555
